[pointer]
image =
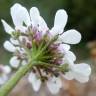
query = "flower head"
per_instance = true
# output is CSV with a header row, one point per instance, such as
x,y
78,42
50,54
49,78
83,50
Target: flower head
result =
x,y
32,40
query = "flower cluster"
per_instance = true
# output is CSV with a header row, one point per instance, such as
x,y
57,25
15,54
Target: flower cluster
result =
x,y
4,71
32,40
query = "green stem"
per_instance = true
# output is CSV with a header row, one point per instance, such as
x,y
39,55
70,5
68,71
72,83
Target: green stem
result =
x,y
63,68
4,90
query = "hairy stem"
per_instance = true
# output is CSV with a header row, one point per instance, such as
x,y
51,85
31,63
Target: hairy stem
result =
x,y
5,90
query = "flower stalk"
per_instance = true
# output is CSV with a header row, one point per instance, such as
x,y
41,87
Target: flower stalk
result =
x,y
5,90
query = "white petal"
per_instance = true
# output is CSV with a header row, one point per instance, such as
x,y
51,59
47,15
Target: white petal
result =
x,y
71,37
81,72
9,47
7,69
60,18
13,41
34,14
54,84
68,75
59,22
85,67
7,27
35,81
20,15
42,25
64,48
14,62
70,56
81,78
3,79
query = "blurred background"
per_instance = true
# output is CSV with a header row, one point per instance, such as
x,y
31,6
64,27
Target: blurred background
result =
x,y
82,17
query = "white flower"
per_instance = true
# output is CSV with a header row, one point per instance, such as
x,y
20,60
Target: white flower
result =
x,y
64,48
35,81
36,42
7,69
59,22
9,46
14,62
4,71
14,41
7,27
19,15
24,17
54,84
3,79
18,20
34,14
71,36
80,72
68,55
37,20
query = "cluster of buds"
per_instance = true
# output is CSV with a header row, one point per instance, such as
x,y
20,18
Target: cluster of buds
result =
x,y
32,41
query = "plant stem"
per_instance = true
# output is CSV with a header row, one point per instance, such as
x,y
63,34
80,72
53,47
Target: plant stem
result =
x,y
4,90
63,68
